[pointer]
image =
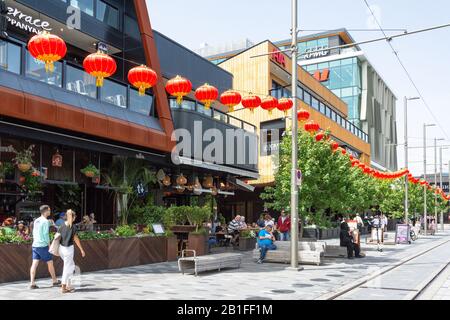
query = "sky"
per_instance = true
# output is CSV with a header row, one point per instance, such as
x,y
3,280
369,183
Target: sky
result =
x,y
425,55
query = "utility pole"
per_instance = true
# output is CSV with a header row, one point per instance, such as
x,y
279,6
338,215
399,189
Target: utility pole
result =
x,y
425,175
294,183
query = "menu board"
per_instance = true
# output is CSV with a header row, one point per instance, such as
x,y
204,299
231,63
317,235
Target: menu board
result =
x,y
402,234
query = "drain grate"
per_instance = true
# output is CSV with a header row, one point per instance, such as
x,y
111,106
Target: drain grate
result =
x,y
258,298
302,285
283,291
320,280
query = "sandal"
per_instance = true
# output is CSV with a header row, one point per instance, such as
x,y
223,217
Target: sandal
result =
x,y
68,290
34,287
57,283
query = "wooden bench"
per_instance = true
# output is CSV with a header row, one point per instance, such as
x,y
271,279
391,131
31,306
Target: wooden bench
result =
x,y
308,252
208,263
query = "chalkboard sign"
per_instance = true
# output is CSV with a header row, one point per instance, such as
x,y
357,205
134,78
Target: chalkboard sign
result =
x,y
403,234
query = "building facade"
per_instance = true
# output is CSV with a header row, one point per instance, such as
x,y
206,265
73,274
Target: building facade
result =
x,y
72,123
271,75
348,73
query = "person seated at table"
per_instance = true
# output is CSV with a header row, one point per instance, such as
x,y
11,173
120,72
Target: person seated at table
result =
x,y
243,224
346,240
260,222
22,230
7,226
234,227
265,242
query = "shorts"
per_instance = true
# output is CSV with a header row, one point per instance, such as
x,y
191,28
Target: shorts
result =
x,y
42,254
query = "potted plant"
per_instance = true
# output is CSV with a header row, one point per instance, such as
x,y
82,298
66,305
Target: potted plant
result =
x,y
24,159
197,240
90,171
247,240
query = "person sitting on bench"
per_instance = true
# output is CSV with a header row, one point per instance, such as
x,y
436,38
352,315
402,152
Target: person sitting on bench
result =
x,y
347,241
265,242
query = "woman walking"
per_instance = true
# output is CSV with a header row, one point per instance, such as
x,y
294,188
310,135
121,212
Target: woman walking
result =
x,y
66,249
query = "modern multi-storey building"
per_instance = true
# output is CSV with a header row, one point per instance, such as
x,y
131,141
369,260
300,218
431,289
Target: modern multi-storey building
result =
x,y
264,75
73,123
350,76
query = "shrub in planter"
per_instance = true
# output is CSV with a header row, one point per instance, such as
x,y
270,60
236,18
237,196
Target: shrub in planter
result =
x,y
247,240
90,171
125,231
197,241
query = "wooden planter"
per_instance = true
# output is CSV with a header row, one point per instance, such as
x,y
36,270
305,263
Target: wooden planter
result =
x,y
123,252
15,262
183,229
246,244
198,243
152,250
96,255
172,248
309,233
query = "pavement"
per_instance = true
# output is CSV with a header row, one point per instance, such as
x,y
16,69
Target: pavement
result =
x,y
399,272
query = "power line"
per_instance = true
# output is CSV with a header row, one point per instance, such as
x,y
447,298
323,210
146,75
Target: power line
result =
x,y
406,70
352,30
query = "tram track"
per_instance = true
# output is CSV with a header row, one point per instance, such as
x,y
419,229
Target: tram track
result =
x,y
414,294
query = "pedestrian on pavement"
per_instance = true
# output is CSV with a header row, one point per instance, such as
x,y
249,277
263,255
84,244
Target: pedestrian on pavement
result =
x,y
40,246
359,223
284,226
377,227
265,242
346,240
433,227
69,236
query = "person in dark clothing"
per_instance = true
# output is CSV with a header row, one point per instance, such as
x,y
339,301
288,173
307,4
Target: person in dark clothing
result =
x,y
347,241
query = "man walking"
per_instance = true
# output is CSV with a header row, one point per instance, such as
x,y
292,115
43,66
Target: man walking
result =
x,y
41,243
284,226
265,242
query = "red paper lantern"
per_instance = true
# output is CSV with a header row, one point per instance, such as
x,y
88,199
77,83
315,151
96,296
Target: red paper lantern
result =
x,y
312,127
179,87
320,136
343,151
230,99
334,146
47,48
100,65
251,102
269,104
143,78
303,115
207,94
285,104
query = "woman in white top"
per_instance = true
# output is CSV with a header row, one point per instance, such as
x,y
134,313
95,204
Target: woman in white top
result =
x,y
268,221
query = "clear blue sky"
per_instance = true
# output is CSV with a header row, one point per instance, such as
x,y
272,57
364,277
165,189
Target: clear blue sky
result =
x,y
425,55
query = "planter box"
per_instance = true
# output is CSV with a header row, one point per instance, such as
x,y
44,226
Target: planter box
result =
x,y
152,250
324,234
309,233
198,243
15,262
183,229
172,248
123,252
246,244
96,255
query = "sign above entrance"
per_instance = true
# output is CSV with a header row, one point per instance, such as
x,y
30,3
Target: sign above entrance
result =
x,y
317,52
26,21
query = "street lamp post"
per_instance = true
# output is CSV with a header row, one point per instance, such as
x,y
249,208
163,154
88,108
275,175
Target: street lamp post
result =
x,y
294,184
435,180
406,158
425,174
441,182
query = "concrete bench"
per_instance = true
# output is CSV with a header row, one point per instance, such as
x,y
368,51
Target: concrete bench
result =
x,y
208,263
308,252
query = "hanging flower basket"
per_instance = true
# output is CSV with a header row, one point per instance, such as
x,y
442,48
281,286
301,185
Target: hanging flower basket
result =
x,y
24,167
24,159
90,171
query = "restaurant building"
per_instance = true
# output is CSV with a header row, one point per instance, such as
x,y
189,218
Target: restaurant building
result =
x,y
74,123
264,75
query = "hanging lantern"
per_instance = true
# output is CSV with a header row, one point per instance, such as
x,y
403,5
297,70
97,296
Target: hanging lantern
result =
x,y
57,160
334,146
181,180
285,104
179,87
343,151
320,136
100,65
206,94
422,182
269,104
303,115
208,182
180,189
47,48
312,127
167,181
251,102
230,99
214,191
143,78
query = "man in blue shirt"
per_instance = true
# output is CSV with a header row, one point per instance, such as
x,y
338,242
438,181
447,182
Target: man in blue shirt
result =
x,y
265,242
61,220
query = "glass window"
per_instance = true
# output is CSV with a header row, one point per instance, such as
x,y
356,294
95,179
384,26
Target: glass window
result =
x,y
339,119
35,69
114,93
334,64
201,109
323,65
314,103
323,42
10,57
328,112
80,82
87,6
307,98
107,14
347,79
299,92
346,92
346,61
188,105
140,104
173,104
311,67
322,108
333,115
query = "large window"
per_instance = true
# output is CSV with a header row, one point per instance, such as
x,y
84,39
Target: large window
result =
x,y
35,69
114,93
107,14
140,104
10,57
87,6
80,82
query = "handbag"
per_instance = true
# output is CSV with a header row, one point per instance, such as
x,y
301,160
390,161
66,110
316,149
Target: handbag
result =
x,y
54,247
